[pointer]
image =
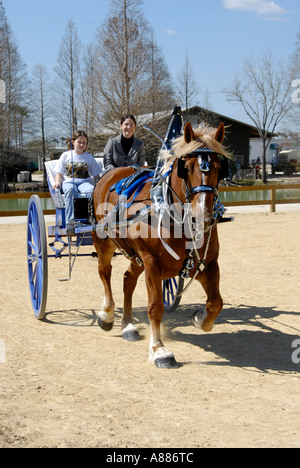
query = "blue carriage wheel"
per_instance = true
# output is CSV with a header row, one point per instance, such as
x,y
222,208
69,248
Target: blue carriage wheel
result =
x,y
172,288
37,257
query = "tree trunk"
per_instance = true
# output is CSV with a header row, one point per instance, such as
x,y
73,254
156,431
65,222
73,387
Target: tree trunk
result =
x,y
264,164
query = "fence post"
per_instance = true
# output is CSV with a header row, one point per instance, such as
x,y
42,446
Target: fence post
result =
x,y
273,200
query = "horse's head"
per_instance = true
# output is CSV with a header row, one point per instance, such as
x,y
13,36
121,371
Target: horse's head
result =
x,y
199,166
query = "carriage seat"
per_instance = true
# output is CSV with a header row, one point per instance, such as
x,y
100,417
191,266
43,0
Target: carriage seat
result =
x,y
56,194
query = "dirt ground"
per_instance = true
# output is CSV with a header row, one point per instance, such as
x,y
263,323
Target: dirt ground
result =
x,y
66,383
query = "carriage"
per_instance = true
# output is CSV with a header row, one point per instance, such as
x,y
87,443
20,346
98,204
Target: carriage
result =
x,y
64,244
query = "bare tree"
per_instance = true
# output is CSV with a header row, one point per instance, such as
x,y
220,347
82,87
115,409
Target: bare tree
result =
x,y
68,78
206,101
13,113
295,59
187,88
41,106
160,91
263,88
89,106
130,68
121,59
294,118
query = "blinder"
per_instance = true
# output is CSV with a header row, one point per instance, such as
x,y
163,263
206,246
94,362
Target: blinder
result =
x,y
182,170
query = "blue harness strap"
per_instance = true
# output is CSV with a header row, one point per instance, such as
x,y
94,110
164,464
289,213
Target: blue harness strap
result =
x,y
129,186
134,184
128,190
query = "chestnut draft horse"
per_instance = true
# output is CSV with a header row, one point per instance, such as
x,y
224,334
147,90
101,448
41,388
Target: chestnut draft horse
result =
x,y
193,168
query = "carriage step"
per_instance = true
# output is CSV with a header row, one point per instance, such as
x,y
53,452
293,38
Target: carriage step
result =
x,y
54,231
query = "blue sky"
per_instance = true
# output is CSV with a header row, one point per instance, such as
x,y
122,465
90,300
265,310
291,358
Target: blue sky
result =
x,y
217,35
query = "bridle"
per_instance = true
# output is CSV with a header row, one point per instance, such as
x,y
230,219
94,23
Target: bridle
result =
x,y
193,257
204,160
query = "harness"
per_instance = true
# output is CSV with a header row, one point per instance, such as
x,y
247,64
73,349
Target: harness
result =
x,y
133,184
218,212
161,193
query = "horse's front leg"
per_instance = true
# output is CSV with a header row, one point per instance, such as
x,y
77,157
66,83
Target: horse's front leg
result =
x,y
210,281
105,251
158,354
129,331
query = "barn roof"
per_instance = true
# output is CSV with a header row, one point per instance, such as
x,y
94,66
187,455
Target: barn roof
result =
x,y
253,130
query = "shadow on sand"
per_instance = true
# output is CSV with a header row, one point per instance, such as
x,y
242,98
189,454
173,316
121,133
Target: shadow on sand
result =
x,y
265,344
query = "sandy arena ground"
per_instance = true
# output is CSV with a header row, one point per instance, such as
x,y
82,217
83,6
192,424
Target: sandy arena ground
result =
x,y
66,383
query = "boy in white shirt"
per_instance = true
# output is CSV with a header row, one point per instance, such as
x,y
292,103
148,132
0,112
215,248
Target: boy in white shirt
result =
x,y
74,170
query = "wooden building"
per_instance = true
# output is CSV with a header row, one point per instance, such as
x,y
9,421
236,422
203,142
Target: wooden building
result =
x,y
238,134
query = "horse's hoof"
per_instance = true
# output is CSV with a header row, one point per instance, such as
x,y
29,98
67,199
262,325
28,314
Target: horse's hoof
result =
x,y
130,333
164,359
198,318
106,326
166,363
106,320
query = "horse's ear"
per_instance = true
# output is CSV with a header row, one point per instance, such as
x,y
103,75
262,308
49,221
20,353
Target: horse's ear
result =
x,y
189,133
220,133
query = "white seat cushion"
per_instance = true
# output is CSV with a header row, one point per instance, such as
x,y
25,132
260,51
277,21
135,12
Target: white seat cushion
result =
x,y
56,194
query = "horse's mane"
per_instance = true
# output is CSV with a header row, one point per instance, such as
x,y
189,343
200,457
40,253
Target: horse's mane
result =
x,y
204,138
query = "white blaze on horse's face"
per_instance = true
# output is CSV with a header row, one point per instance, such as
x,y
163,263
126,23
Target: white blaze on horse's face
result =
x,y
206,200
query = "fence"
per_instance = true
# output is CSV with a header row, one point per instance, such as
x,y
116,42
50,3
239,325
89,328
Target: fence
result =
x,y
273,201
22,196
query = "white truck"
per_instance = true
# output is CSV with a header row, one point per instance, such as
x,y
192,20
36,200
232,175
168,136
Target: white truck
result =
x,y
287,162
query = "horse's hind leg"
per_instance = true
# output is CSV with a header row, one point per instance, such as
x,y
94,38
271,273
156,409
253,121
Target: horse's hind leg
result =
x,y
210,280
105,251
129,331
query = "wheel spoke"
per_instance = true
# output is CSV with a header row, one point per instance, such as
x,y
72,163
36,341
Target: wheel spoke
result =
x,y
172,288
33,278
